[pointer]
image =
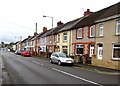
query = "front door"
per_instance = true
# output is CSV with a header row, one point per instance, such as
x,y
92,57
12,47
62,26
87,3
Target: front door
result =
x,y
100,51
91,50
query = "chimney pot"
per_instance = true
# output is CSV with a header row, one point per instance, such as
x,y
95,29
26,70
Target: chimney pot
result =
x,y
59,23
86,13
44,29
29,36
35,33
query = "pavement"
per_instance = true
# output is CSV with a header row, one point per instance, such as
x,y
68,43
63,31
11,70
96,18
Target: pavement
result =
x,y
92,68
98,69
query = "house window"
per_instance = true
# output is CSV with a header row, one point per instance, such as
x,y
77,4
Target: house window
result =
x,y
50,49
43,40
43,49
55,38
64,36
101,30
50,39
58,38
25,44
79,49
64,49
116,51
79,33
92,31
118,27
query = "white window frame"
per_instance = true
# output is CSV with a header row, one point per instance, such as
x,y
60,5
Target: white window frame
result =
x,y
91,50
64,35
79,30
113,50
117,23
101,29
65,48
58,38
44,40
79,46
100,51
92,31
50,39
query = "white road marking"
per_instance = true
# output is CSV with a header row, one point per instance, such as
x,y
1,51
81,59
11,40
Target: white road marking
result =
x,y
37,63
27,59
42,64
76,77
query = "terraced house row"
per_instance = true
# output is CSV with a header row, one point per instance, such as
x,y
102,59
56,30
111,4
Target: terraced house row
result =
x,y
96,35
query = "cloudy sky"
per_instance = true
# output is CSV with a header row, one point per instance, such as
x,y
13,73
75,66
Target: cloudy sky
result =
x,y
18,17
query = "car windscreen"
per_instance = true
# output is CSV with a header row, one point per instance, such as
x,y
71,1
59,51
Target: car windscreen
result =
x,y
63,55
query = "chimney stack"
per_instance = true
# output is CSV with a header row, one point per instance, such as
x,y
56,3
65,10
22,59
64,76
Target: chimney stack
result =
x,y
35,33
59,23
86,13
44,29
29,36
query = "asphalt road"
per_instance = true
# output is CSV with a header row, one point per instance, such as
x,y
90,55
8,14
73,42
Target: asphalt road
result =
x,y
29,70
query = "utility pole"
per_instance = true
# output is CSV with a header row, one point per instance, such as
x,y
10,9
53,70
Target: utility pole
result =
x,y
36,28
20,42
52,30
52,33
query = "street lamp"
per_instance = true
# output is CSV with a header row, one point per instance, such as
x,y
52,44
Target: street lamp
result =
x,y
19,46
49,17
52,28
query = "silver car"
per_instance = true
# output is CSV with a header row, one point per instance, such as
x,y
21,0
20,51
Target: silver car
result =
x,y
58,57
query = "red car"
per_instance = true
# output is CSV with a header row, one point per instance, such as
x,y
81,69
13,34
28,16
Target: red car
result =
x,y
25,53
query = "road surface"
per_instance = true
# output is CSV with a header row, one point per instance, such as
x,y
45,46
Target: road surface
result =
x,y
29,70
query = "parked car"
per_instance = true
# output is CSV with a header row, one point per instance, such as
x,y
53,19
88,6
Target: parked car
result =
x,y
25,53
18,52
8,50
60,58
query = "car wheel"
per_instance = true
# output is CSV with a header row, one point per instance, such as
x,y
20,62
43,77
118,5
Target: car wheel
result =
x,y
72,64
51,61
59,63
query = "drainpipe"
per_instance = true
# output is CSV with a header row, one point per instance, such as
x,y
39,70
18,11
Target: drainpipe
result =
x,y
69,42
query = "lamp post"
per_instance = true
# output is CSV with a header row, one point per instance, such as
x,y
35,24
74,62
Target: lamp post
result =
x,y
52,28
49,17
19,46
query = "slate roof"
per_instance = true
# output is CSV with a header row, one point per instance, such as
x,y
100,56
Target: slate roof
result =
x,y
47,33
104,13
25,40
38,35
56,29
30,38
111,11
68,25
16,42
